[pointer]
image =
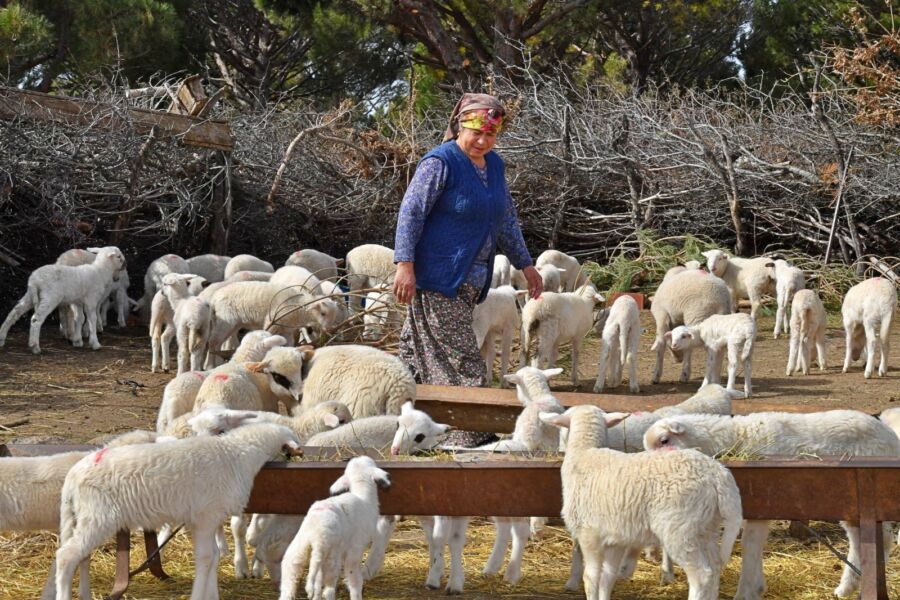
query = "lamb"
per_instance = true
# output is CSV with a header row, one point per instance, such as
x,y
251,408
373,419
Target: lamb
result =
x,y
368,380
159,268
808,323
551,277
501,272
381,316
686,298
321,265
735,332
53,285
196,481
247,262
868,310
162,323
302,278
573,276
788,281
497,316
250,276
368,266
191,320
556,318
750,278
674,499
118,292
835,432
263,305
334,292
335,531
621,337
211,267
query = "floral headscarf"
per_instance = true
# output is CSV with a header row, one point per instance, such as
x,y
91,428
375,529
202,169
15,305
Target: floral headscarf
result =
x,y
481,112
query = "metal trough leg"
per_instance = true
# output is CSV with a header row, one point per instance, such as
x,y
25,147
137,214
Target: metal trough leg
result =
x,y
873,585
123,549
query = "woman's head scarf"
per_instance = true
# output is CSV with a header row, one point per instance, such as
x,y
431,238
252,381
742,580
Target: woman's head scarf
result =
x,y
481,112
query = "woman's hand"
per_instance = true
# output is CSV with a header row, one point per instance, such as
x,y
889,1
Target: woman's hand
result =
x,y
405,283
535,283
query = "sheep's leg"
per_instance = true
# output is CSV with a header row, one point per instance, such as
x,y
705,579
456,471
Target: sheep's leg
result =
x,y
712,375
733,362
616,349
75,325
602,366
633,344
885,339
49,591
22,306
629,563
870,348
375,558
239,533
660,346
520,530
849,580
488,351
330,572
292,565
181,338
848,343
612,558
752,583
353,574
793,354
456,541
592,552
90,313
505,349
686,366
166,345
75,552
494,562
780,316
206,559
748,371
820,347
576,351
435,551
41,311
576,569
755,301
666,570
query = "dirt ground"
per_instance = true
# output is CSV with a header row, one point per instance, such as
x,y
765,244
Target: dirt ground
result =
x,y
76,394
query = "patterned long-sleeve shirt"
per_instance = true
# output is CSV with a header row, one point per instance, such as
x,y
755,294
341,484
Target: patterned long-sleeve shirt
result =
x,y
425,188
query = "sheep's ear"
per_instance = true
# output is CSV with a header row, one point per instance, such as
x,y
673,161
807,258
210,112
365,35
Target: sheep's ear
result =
x,y
306,351
707,253
256,367
667,336
560,420
521,292
599,298
615,418
446,428
561,270
381,478
675,427
273,341
236,419
548,373
331,420
340,486
407,407
339,262
94,250
512,378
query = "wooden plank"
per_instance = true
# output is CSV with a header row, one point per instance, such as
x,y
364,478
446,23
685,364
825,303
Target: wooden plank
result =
x,y
189,130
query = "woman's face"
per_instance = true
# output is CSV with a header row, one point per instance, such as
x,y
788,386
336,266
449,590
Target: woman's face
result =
x,y
475,143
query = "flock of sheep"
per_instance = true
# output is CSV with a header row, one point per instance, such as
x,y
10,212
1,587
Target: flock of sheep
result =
x,y
220,417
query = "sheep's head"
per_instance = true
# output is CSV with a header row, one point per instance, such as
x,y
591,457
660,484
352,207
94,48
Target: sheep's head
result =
x,y
110,256
680,339
589,291
329,414
599,421
256,344
284,369
361,469
326,312
665,434
531,382
416,431
716,261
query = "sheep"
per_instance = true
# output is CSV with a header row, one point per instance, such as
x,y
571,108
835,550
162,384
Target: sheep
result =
x,y
250,276
159,268
162,323
263,305
808,323
551,277
788,281
335,531
501,271
556,318
191,320
368,380
368,266
835,432
517,279
621,337
211,267
613,502
573,276
321,265
868,311
687,266
331,290
196,481
302,278
52,285
750,278
686,298
117,296
247,262
497,316
381,317
735,333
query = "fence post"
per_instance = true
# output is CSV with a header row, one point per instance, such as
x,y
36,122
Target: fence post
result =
x,y
873,585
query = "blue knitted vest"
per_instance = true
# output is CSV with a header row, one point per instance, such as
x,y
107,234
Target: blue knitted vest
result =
x,y
460,221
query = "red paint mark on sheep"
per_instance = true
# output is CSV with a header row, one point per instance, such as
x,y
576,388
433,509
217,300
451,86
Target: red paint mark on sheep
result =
x,y
221,377
198,375
99,454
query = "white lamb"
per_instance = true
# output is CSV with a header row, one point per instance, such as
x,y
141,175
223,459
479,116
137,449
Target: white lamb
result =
x,y
690,265
750,278
50,286
381,317
557,318
294,276
788,281
868,310
501,272
211,267
191,320
573,276
368,380
321,265
551,277
159,268
162,323
808,324
368,266
247,262
614,502
496,318
334,292
734,333
336,533
686,298
621,338
831,433
196,481
117,296
250,276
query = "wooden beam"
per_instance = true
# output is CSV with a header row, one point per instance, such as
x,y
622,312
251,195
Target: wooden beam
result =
x,y
191,131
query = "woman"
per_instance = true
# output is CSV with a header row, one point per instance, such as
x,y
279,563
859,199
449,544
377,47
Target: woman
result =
x,y
456,212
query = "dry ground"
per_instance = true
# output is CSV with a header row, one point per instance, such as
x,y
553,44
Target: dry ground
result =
x,y
74,395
